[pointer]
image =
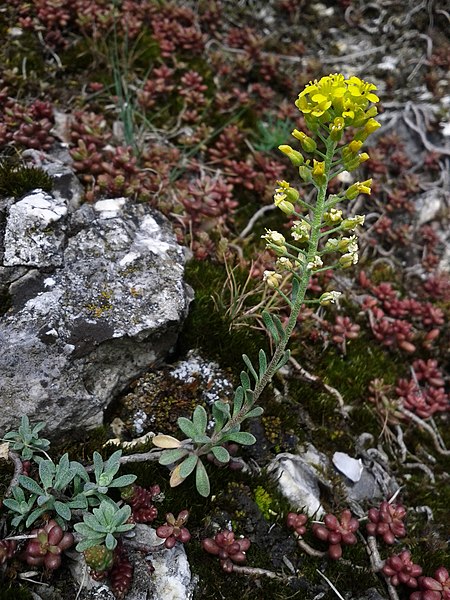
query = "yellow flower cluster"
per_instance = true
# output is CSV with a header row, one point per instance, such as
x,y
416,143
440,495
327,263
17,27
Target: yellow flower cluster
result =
x,y
336,100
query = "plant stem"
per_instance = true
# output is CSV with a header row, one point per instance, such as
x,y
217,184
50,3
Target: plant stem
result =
x,y
272,367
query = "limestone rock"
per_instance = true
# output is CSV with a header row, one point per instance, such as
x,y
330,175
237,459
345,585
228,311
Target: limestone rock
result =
x,y
93,297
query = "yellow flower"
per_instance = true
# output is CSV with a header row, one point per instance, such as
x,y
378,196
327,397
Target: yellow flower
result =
x,y
334,97
358,188
295,157
283,204
308,144
361,90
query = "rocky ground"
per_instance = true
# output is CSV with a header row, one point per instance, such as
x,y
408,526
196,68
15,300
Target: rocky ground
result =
x,y
179,107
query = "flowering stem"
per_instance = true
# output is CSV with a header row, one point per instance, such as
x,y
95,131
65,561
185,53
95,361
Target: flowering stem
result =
x,y
272,367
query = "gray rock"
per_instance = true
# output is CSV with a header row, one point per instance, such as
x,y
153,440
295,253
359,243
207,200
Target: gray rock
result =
x,y
298,479
97,295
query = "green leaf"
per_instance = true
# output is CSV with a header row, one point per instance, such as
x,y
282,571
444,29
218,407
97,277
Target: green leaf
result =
x,y
279,326
221,454
35,515
187,427
112,465
172,456
12,505
224,407
200,419
284,359
270,326
201,439
240,437
79,470
46,473
98,465
89,543
110,541
94,523
245,380
219,417
30,485
202,480
46,500
85,531
63,510
123,480
238,400
255,412
122,515
63,477
250,367
79,502
262,363
188,465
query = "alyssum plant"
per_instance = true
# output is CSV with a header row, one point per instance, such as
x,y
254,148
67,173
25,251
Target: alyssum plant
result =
x,y
323,237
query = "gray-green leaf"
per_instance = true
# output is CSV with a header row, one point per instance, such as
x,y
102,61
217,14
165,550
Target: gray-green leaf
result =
x,y
200,419
171,456
221,454
187,427
250,367
188,465
202,480
240,437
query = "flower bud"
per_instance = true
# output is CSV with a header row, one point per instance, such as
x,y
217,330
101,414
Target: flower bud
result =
x,y
352,223
355,146
318,172
333,217
308,144
305,173
285,188
281,203
284,264
331,245
272,279
358,188
294,156
337,129
348,260
348,244
329,298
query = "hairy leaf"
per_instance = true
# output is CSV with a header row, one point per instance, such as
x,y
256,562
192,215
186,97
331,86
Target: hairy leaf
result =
x,y
250,367
240,437
270,326
169,457
202,480
262,363
221,454
188,465
187,427
200,419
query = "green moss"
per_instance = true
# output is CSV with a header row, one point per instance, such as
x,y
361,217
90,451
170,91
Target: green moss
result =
x,y
208,327
14,591
16,181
